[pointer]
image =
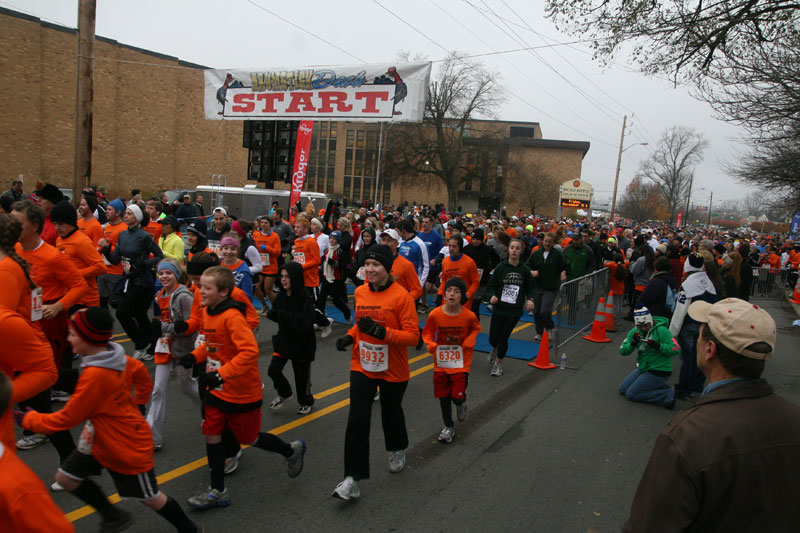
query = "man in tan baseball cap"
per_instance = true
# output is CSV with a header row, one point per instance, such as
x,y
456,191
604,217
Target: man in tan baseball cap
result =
x,y
731,462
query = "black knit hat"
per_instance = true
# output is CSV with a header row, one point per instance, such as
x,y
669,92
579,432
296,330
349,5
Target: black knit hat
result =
x,y
198,227
382,254
94,325
478,234
51,192
196,268
459,284
171,221
64,212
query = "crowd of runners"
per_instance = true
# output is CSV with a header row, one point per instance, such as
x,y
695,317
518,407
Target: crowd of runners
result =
x,y
190,292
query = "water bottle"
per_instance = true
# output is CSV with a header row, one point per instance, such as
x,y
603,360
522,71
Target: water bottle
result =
x,y
563,361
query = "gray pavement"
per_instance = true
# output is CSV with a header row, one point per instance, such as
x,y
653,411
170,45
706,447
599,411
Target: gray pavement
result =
x,y
555,450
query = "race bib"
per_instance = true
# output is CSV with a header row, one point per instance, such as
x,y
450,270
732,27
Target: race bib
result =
x,y
264,259
361,274
36,304
450,356
199,341
211,366
162,346
509,294
86,440
299,257
374,357
215,247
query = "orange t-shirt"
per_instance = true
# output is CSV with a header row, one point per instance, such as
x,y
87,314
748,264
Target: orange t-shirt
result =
x,y
442,329
55,274
162,299
269,253
84,255
465,269
28,361
111,234
405,275
511,232
394,309
25,504
93,229
306,252
617,286
154,229
16,293
138,378
196,319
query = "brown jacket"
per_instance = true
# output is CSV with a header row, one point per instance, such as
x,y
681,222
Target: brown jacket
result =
x,y
729,463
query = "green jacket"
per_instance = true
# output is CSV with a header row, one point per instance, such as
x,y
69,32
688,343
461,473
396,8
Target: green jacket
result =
x,y
550,269
648,358
506,281
580,261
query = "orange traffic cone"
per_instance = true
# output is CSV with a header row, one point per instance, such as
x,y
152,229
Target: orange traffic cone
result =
x,y
611,327
543,357
796,293
598,333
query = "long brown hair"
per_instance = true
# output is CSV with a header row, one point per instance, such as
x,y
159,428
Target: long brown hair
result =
x,y
736,266
10,230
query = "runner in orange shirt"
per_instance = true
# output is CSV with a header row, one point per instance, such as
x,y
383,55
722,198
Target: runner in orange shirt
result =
x,y
306,252
268,244
80,249
463,266
106,283
14,271
86,221
450,333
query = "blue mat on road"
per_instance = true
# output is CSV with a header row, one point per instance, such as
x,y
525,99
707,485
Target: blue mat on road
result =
x,y
516,349
331,311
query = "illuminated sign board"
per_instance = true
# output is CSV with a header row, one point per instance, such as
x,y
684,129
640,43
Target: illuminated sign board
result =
x,y
574,203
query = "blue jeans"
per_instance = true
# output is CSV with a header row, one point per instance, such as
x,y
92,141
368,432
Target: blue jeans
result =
x,y
646,387
690,379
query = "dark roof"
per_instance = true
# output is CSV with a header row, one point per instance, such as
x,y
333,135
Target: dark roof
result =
x,y
73,31
524,141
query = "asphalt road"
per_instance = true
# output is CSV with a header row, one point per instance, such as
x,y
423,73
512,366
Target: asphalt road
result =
x,y
556,450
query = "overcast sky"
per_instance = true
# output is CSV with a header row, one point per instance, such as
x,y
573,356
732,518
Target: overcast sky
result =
x,y
548,85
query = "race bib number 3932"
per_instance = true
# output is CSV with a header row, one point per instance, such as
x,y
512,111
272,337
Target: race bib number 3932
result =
x,y
373,357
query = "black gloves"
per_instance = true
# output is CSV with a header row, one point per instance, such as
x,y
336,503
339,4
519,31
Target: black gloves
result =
x,y
211,380
369,327
187,361
653,344
180,326
635,339
343,342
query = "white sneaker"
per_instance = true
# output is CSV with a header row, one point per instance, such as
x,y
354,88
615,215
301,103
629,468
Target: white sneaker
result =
x,y
462,411
148,356
278,402
56,487
304,410
326,330
59,396
139,354
497,369
537,337
447,434
232,463
397,461
29,442
346,489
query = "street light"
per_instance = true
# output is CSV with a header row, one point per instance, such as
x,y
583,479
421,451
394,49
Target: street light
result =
x,y
619,162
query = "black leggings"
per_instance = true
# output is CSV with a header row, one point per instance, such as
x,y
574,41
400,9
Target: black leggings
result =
x,y
356,440
132,315
319,314
500,329
302,379
338,293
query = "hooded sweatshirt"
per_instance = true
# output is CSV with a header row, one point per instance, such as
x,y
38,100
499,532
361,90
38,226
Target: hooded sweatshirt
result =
x,y
696,287
123,441
649,359
512,285
295,317
175,307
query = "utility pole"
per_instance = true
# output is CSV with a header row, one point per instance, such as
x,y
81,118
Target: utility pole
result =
x,y
619,162
709,208
688,199
82,169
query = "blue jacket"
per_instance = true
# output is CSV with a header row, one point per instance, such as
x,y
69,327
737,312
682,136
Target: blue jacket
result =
x,y
415,250
433,242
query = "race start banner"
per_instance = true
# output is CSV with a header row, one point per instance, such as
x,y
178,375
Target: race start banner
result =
x,y
302,147
385,92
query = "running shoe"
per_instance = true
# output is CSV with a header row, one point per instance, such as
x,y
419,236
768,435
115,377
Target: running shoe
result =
x,y
304,410
278,402
352,319
139,354
148,356
346,489
263,311
294,464
157,447
492,356
122,522
497,369
462,411
209,498
232,463
537,337
397,461
377,396
57,487
59,396
447,434
29,442
326,330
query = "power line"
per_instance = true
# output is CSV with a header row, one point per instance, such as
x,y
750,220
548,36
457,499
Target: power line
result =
x,y
410,26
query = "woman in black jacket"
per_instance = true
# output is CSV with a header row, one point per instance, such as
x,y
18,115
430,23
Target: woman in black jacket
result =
x,y
368,239
295,341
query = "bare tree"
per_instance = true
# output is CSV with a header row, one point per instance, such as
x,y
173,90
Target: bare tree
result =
x,y
643,201
671,165
462,89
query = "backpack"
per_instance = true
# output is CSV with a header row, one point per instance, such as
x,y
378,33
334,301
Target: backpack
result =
x,y
671,299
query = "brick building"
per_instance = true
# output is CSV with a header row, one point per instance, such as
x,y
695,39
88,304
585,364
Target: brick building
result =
x,y
149,132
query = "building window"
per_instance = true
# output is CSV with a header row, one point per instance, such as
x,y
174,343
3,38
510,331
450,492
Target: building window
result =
x,y
346,190
312,173
525,132
332,145
350,136
356,188
368,192
360,139
333,130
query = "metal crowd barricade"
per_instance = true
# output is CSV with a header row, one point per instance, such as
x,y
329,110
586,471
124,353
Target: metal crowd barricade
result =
x,y
769,284
576,305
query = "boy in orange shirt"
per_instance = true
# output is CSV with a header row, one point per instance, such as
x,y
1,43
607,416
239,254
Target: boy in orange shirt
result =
x,y
115,436
25,504
306,252
80,249
233,398
462,266
450,334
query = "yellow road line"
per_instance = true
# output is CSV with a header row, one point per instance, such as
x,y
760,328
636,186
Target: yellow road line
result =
x,y
86,510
